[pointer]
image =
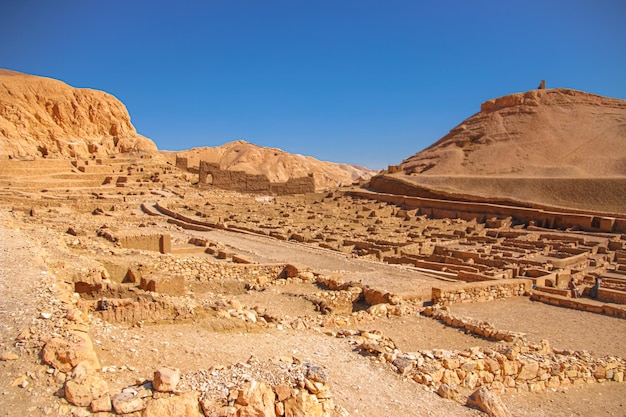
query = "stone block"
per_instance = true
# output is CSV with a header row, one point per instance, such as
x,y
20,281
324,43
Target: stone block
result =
x,y
166,379
185,405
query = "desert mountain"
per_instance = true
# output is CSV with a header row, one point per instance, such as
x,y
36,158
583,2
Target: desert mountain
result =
x,y
46,117
276,164
540,133
555,148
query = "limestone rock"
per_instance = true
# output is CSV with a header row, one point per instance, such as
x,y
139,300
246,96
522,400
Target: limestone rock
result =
x,y
85,386
46,117
303,404
166,378
102,404
488,402
185,405
448,391
126,402
8,356
257,399
64,354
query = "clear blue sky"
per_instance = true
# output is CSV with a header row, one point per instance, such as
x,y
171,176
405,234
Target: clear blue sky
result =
x,y
364,82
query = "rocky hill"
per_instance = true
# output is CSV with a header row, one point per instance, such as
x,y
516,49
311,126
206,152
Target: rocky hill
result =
x,y
539,133
546,149
276,164
46,117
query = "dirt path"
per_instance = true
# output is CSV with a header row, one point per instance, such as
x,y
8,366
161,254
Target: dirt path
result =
x,y
397,279
26,287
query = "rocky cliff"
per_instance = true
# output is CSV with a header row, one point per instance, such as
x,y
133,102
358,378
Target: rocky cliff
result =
x,y
43,117
277,165
539,133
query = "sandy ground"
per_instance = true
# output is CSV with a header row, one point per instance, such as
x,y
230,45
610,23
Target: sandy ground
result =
x,y
361,385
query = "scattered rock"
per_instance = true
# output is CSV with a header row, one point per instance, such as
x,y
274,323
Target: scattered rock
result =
x,y
8,356
125,402
488,402
166,378
185,405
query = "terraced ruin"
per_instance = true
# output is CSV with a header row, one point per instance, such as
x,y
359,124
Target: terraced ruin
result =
x,y
158,294
485,274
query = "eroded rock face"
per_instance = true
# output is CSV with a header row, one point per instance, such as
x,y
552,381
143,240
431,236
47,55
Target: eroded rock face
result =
x,y
43,117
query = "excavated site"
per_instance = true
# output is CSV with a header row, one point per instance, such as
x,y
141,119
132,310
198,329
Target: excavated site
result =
x,y
131,288
485,275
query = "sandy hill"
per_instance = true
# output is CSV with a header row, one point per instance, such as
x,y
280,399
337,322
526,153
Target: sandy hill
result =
x,y
554,148
540,133
46,117
276,164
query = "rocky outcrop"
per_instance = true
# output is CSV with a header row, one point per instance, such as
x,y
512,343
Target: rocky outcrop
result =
x,y
43,117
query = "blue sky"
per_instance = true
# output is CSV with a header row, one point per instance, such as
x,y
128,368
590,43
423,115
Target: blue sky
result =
x,y
364,82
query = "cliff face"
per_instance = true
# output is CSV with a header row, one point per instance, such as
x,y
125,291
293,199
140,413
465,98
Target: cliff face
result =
x,y
276,164
45,117
540,133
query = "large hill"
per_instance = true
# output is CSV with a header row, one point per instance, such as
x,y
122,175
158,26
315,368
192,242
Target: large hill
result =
x,y
46,117
540,133
274,163
555,148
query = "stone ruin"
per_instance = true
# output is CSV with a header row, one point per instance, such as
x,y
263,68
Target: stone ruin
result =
x,y
212,174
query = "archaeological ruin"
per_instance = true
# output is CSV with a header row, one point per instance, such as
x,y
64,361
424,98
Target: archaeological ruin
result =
x,y
455,284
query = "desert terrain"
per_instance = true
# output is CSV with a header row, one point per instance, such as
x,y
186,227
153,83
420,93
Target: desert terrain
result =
x,y
131,286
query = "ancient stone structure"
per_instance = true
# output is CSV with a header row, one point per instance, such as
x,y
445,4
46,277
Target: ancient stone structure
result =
x,y
212,174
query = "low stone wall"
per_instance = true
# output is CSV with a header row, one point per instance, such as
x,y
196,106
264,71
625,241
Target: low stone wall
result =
x,y
394,191
612,296
520,366
478,328
615,310
156,242
481,291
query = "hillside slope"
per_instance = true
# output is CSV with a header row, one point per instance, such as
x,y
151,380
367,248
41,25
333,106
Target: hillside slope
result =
x,y
46,117
556,148
276,164
540,133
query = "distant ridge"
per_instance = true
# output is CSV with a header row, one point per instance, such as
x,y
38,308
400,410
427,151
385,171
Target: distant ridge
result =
x,y
276,164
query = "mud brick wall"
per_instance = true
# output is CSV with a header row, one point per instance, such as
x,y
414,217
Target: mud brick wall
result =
x,y
211,173
300,185
157,242
438,208
480,291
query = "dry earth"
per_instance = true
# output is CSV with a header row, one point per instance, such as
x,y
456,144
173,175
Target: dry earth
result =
x,y
360,384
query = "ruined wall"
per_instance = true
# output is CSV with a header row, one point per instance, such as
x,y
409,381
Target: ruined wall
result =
x,y
152,242
213,174
483,211
481,291
300,185
182,163
520,367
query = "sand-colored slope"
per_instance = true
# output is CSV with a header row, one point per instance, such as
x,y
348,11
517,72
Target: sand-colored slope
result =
x,y
540,133
46,117
276,164
544,148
